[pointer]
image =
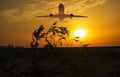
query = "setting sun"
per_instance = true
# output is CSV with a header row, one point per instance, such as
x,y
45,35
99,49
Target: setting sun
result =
x,y
79,33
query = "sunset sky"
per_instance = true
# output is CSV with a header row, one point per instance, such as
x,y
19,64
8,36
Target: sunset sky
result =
x,y
17,20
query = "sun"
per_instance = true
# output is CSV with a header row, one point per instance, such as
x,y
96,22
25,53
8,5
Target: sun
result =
x,y
80,33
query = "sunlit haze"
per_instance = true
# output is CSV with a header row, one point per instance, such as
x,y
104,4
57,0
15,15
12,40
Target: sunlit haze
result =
x,y
17,20
79,33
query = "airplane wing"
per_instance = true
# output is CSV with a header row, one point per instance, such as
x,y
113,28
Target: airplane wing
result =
x,y
44,16
72,15
51,15
80,16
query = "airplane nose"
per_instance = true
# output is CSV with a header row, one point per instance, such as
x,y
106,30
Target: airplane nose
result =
x,y
60,5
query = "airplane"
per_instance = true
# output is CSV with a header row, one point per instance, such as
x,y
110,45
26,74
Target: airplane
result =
x,y
61,14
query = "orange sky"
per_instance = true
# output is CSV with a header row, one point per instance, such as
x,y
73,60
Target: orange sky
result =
x,y
17,20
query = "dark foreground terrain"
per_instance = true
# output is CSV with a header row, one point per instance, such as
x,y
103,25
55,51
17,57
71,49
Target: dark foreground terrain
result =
x,y
60,62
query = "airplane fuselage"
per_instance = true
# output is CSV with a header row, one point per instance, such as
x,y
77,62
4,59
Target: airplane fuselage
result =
x,y
61,15
61,9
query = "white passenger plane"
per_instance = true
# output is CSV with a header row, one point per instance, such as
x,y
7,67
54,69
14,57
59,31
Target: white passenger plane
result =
x,y
61,14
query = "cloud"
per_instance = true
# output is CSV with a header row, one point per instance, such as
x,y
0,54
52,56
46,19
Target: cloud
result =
x,y
43,7
83,5
9,13
93,3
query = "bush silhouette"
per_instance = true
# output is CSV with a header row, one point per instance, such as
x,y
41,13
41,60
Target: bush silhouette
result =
x,y
54,36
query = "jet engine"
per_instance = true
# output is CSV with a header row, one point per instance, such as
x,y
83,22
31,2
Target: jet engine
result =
x,y
71,15
51,15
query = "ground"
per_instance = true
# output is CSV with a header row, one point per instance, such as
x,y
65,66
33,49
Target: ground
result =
x,y
60,62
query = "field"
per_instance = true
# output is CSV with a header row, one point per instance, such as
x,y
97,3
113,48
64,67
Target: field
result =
x,y
60,62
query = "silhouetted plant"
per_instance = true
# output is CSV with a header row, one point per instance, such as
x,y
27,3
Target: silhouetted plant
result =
x,y
54,36
77,42
10,45
36,36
